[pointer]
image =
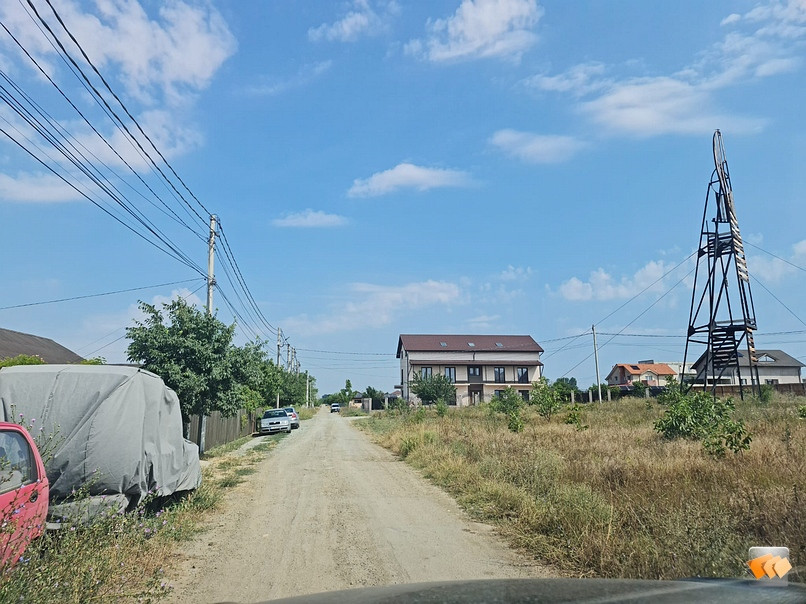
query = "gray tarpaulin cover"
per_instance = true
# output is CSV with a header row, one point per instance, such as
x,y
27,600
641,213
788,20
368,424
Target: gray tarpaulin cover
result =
x,y
118,429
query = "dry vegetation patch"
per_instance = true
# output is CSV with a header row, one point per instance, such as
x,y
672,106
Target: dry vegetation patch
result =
x,y
617,499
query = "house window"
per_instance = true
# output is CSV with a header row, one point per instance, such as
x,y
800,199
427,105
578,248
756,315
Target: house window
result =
x,y
499,345
772,382
524,395
523,375
425,372
499,374
498,393
450,373
473,371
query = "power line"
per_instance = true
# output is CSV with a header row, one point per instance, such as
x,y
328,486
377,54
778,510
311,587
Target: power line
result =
x,y
119,291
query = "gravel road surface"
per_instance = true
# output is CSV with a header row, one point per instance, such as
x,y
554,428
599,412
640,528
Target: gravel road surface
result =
x,y
330,510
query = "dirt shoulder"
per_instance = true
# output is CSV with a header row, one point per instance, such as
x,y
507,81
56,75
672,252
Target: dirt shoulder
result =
x,y
330,510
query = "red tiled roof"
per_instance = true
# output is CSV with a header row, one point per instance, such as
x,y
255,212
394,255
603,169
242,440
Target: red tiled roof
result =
x,y
466,343
656,368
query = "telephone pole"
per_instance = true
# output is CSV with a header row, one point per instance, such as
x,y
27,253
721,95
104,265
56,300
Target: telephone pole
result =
x,y
279,344
596,361
210,285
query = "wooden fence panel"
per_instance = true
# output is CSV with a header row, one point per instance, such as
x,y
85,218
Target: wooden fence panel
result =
x,y
221,430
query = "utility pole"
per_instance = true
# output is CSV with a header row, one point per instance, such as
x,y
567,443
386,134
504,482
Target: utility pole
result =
x,y
210,285
596,360
288,356
307,391
279,344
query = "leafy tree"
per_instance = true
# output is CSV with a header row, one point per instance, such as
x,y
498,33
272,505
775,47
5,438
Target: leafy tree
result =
x,y
192,352
94,361
565,386
510,403
544,398
699,416
377,396
22,359
639,389
433,388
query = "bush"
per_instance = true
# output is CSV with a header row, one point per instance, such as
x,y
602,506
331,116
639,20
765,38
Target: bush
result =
x,y
699,416
765,393
442,408
545,399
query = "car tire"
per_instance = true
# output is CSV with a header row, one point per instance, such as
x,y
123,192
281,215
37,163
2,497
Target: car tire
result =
x,y
288,431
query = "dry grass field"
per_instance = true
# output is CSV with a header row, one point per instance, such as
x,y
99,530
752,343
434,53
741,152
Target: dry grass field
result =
x,y
617,499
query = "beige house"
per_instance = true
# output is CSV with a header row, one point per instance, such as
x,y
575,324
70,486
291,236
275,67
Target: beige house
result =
x,y
651,374
479,366
774,367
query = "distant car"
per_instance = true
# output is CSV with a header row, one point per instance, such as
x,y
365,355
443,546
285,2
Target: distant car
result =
x,y
292,413
335,408
275,420
24,492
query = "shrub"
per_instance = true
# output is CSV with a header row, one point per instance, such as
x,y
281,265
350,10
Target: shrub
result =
x,y
699,416
765,393
802,412
442,408
545,399
574,417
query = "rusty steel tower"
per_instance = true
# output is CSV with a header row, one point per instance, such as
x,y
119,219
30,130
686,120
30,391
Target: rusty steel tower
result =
x,y
722,316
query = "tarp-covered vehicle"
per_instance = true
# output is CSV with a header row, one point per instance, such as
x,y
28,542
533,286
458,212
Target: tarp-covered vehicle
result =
x,y
118,431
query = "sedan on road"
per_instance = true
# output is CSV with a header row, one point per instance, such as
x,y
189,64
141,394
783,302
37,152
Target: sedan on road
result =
x,y
275,420
335,408
292,413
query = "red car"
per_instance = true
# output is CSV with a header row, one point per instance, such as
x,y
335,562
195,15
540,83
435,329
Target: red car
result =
x,y
23,492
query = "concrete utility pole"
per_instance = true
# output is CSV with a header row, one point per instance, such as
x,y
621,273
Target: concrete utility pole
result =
x,y
279,344
596,360
210,285
288,357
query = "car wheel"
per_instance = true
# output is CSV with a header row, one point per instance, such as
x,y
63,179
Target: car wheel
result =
x,y
288,431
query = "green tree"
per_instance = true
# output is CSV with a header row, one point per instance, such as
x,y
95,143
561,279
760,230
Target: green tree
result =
x,y
94,361
192,352
377,396
433,388
544,398
565,386
22,359
510,403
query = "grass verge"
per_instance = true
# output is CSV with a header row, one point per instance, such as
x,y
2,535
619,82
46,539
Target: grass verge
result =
x,y
616,499
124,556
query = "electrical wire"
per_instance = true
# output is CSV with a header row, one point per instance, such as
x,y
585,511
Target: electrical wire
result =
x,y
84,297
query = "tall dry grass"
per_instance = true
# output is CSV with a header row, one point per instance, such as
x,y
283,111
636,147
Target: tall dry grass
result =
x,y
616,499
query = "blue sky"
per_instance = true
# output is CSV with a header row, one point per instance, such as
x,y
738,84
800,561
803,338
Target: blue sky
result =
x,y
387,167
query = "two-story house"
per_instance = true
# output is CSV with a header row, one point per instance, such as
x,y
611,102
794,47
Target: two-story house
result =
x,y
651,374
774,367
479,366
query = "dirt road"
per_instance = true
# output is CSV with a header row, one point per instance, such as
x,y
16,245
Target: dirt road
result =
x,y
330,510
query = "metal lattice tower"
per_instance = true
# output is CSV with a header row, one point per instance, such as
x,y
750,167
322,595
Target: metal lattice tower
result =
x,y
722,316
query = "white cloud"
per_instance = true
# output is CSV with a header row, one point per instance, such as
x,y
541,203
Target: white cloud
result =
x,y
653,106
303,77
481,28
310,219
537,148
769,269
579,79
762,43
35,187
373,306
512,273
602,286
406,175
483,321
361,20
175,52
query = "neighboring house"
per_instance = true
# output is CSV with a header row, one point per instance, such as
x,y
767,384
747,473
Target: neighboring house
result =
x,y
479,366
14,343
651,374
774,367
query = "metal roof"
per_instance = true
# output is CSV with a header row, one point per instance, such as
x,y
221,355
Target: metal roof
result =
x,y
13,343
466,343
